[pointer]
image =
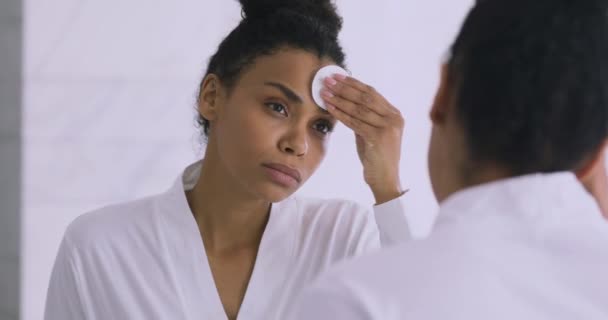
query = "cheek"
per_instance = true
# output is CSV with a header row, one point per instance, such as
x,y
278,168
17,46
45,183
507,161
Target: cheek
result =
x,y
316,153
243,133
248,122
323,147
434,167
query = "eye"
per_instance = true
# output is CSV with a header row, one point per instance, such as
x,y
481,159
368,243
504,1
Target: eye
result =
x,y
277,107
324,127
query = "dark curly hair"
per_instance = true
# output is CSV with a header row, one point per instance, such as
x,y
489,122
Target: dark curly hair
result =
x,y
530,82
268,25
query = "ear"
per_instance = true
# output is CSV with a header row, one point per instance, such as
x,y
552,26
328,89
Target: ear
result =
x,y
594,168
442,102
209,96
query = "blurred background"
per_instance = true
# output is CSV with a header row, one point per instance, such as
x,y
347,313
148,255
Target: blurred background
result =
x,y
97,106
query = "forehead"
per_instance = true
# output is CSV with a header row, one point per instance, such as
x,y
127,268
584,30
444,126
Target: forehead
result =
x,y
293,67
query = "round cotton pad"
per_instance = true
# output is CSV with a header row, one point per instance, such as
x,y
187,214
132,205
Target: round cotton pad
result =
x,y
317,82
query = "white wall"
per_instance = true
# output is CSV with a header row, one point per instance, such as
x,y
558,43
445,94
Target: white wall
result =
x,y
109,97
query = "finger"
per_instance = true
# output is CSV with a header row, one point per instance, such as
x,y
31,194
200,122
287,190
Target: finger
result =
x,y
382,106
355,95
359,127
354,110
368,98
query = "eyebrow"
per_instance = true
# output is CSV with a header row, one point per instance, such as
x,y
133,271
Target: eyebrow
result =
x,y
290,94
286,91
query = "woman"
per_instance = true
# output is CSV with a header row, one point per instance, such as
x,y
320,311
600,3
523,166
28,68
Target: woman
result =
x,y
229,238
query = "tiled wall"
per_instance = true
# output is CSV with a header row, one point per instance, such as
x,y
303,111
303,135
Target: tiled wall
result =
x,y
10,157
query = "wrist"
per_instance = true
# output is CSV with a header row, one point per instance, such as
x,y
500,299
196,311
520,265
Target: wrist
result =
x,y
387,192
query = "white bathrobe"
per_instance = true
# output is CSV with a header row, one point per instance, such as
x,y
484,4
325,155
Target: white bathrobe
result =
x,y
526,248
146,260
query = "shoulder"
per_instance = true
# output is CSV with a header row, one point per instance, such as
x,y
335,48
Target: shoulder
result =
x,y
340,228
400,271
328,210
395,283
331,216
115,223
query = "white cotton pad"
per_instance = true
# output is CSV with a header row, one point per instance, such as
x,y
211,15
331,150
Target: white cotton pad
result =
x,y
317,82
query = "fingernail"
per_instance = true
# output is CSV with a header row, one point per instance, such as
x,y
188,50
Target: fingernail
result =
x,y
330,81
339,76
330,106
326,94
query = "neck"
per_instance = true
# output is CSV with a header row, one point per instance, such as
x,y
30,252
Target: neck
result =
x,y
474,175
599,190
483,174
228,217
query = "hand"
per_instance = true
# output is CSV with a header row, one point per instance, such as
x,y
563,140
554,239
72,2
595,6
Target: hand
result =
x,y
378,128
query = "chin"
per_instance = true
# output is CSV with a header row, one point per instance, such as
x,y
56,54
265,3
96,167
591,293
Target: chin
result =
x,y
273,193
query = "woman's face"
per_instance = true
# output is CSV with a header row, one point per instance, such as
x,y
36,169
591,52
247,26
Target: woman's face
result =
x,y
268,132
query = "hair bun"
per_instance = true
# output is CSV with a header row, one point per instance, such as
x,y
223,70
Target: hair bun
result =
x,y
321,11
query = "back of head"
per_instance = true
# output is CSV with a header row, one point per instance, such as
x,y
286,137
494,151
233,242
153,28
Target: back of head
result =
x,y
530,82
269,25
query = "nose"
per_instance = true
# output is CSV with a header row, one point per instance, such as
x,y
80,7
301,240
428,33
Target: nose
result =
x,y
295,142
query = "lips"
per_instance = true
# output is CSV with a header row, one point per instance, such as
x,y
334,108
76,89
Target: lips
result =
x,y
295,174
